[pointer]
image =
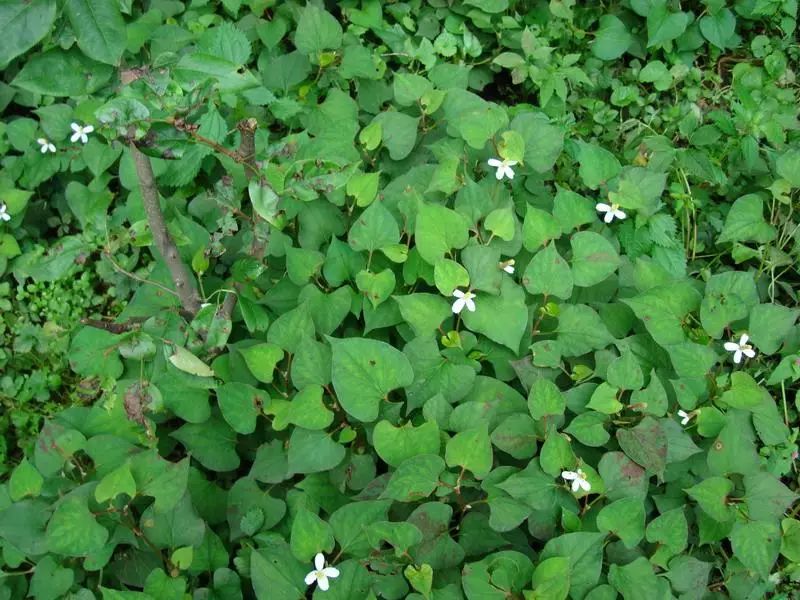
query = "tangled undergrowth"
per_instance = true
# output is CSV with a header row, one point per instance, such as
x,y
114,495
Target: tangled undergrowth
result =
x,y
438,300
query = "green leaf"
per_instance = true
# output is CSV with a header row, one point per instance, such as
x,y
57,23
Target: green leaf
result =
x,y
744,393
471,450
24,24
310,535
745,222
313,451
612,38
593,258
509,305
49,581
543,140
376,228
187,362
277,575
471,117
597,165
516,435
625,519
551,578
25,481
397,444
363,187
73,530
538,228
212,443
350,524
589,429
421,579
409,88
59,73
637,580
548,274
180,526
585,553
604,400
415,479
438,230
317,30
364,372
664,26
580,330
712,496
165,481
756,544
401,535
766,497
307,409
118,481
261,360
423,312
92,353
645,444
376,287
240,405
399,133
671,532
99,28
720,29
500,222
788,166
624,372
770,325
545,399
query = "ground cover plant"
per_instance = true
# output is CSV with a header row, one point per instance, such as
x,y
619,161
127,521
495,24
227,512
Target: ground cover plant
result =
x,y
431,299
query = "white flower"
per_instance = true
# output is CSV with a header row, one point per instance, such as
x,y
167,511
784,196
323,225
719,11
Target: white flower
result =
x,y
46,145
741,348
80,133
611,211
4,216
508,266
685,417
578,479
321,573
503,167
463,299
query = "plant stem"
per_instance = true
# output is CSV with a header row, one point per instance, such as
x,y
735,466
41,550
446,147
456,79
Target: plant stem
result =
x,y
181,277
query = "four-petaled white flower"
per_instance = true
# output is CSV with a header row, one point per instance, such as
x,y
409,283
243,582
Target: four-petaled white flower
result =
x,y
742,347
4,216
321,573
463,299
685,417
503,167
612,211
508,266
80,133
46,145
578,479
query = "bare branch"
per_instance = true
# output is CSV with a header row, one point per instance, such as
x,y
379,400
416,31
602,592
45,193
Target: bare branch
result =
x,y
181,277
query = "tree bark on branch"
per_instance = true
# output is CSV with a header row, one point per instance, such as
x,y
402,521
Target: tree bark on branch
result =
x,y
181,276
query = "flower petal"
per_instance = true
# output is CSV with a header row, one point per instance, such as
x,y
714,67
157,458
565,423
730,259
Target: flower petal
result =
x,y
509,172
319,561
585,485
737,357
744,339
331,572
75,126
749,352
494,162
458,293
509,269
731,346
470,304
41,141
311,578
620,214
609,217
323,583
576,484
511,163
602,207
499,173
458,305
75,137
88,129
569,475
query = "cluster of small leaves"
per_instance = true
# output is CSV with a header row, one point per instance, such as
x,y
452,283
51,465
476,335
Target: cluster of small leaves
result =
x,y
441,300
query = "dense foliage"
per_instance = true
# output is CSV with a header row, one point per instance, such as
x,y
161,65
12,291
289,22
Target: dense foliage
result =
x,y
433,299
